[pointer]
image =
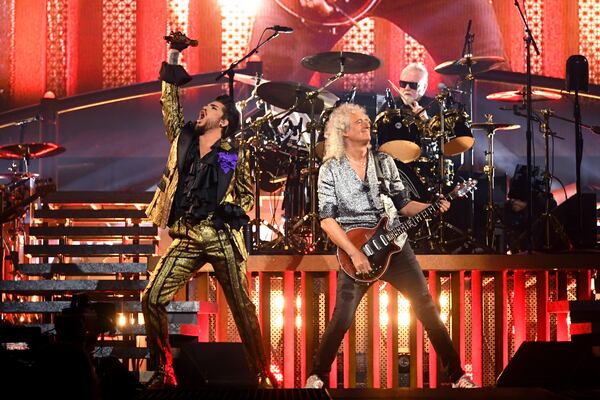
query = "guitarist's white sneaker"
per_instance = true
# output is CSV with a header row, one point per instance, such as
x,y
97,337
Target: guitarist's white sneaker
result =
x,y
464,382
313,382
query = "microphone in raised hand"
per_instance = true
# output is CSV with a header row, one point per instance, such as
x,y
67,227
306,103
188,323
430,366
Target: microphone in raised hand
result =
x,y
179,41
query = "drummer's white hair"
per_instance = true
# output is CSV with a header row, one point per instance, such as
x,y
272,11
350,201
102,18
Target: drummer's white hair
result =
x,y
418,67
337,125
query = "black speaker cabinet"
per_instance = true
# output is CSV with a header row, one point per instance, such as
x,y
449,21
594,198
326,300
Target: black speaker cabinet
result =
x,y
553,366
201,365
567,214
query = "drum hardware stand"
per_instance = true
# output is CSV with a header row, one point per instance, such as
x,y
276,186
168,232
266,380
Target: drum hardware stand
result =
x,y
551,223
529,41
254,144
439,232
313,170
470,79
490,172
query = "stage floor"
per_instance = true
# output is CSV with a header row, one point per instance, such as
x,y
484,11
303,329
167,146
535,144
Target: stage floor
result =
x,y
366,394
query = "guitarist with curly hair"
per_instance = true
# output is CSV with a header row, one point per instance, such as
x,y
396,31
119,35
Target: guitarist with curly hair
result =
x,y
351,181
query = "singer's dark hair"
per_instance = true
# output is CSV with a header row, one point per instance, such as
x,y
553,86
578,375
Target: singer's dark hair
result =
x,y
230,113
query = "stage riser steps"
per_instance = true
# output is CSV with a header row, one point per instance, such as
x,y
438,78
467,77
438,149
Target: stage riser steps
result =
x,y
93,227
97,197
136,330
80,250
90,214
74,286
72,269
43,307
138,353
93,231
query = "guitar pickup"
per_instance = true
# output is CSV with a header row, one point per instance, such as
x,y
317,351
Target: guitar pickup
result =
x,y
383,240
367,250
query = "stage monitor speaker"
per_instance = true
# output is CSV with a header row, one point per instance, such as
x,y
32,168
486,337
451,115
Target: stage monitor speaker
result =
x,y
568,217
553,366
201,365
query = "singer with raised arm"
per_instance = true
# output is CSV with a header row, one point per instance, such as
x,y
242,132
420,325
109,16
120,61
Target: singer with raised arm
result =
x,y
202,197
357,188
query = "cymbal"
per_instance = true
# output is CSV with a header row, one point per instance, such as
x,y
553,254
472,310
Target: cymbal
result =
x,y
286,94
494,126
520,95
478,65
248,79
30,150
330,62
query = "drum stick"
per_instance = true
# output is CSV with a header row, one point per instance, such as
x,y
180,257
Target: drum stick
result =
x,y
414,103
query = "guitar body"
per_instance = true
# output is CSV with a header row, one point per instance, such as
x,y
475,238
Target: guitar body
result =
x,y
378,250
380,243
355,9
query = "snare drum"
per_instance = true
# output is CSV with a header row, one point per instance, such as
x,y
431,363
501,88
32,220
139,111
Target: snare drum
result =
x,y
394,137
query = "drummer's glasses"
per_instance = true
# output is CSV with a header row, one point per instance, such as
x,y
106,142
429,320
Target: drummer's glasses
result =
x,y
412,85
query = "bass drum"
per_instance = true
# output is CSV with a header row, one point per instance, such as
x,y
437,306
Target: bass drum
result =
x,y
395,137
273,161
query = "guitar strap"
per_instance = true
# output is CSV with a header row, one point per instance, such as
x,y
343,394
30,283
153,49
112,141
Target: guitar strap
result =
x,y
384,192
382,187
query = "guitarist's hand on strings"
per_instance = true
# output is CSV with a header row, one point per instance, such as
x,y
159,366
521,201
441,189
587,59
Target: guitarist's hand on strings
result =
x,y
444,205
361,262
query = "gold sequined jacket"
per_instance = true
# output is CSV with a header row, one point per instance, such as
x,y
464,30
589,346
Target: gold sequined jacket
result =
x,y
234,186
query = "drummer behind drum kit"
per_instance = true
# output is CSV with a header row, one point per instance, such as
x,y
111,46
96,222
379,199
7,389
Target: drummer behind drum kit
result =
x,y
287,147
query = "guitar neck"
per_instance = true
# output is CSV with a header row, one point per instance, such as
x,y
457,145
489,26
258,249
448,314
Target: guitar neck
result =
x,y
415,220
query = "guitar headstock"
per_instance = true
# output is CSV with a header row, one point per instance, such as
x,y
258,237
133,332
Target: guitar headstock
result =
x,y
464,188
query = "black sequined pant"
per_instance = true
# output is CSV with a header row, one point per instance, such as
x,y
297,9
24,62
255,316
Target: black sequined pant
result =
x,y
405,274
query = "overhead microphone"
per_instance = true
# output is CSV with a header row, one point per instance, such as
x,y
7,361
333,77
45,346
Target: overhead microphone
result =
x,y
281,29
442,86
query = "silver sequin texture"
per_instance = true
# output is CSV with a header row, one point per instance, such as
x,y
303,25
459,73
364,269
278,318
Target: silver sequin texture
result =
x,y
352,202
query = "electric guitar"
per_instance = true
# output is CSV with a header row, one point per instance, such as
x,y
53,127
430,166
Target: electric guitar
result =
x,y
343,12
380,243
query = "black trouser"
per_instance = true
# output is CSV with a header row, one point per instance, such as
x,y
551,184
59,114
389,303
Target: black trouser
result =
x,y
405,274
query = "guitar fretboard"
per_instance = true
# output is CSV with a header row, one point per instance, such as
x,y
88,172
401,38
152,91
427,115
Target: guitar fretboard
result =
x,y
415,220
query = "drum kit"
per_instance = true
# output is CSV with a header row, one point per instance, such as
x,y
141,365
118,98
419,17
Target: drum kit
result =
x,y
287,147
18,189
19,186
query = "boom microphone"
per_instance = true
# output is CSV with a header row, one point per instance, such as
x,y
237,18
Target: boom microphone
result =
x,y
281,29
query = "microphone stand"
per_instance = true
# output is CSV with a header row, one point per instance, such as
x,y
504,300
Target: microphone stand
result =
x,y
529,41
592,128
578,158
230,72
467,54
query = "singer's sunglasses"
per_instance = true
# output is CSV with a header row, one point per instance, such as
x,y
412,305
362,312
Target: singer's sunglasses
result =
x,y
412,85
